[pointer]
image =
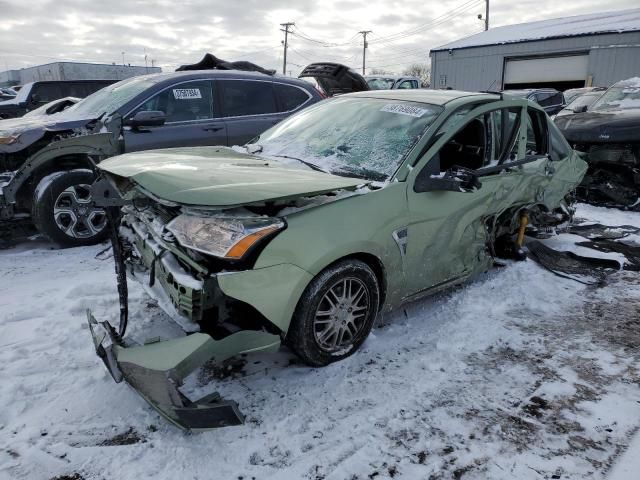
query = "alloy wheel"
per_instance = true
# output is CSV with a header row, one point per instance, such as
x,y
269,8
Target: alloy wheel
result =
x,y
76,215
341,314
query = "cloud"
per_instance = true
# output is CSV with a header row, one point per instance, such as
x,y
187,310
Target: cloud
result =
x,y
173,33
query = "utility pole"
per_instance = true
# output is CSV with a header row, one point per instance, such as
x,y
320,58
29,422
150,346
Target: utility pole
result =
x,y
285,43
486,17
364,47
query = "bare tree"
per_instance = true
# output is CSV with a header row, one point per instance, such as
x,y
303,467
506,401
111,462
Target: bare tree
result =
x,y
420,70
379,71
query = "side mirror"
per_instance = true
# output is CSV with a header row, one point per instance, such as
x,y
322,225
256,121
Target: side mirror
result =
x,y
456,179
147,118
581,109
35,98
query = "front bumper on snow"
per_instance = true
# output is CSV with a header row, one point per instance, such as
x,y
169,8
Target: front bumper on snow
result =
x,y
156,370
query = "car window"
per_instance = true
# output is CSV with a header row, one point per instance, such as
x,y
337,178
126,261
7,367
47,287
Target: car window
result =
x,y
184,102
537,143
406,84
110,98
45,92
247,97
290,97
560,148
469,146
548,99
380,83
353,136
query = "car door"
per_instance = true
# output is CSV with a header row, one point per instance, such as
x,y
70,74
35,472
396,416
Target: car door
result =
x,y
249,107
446,236
192,119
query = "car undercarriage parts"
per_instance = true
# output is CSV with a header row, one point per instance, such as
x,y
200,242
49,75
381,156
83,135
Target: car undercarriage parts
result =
x,y
524,221
613,178
587,270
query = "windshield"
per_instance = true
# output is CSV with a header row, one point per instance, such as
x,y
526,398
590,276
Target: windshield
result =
x,y
110,98
582,101
356,136
380,83
622,97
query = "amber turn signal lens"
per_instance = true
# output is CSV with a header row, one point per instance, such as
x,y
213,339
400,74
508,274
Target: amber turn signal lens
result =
x,y
240,248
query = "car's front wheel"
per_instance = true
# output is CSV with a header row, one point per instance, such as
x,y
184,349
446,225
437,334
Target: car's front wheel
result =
x,y
64,211
335,313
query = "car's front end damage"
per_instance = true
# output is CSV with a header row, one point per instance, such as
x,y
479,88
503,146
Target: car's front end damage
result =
x,y
204,261
31,148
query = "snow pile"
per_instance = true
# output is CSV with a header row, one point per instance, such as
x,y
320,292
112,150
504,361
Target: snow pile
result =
x,y
519,374
614,22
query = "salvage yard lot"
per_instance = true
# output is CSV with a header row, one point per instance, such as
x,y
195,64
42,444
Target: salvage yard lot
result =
x,y
520,374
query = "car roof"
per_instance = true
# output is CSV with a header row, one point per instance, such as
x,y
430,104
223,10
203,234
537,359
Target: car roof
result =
x,y
528,91
394,77
169,77
434,97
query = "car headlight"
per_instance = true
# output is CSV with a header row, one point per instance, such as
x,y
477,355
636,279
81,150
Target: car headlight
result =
x,y
222,236
9,139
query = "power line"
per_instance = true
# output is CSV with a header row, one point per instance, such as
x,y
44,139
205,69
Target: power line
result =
x,y
304,36
437,20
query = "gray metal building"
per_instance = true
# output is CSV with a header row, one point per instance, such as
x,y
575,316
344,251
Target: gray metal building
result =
x,y
73,71
585,50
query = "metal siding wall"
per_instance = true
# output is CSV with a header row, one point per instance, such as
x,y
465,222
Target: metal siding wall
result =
x,y
479,67
81,71
609,65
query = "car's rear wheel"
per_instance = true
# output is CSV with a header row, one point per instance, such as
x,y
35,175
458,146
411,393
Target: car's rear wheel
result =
x,y
64,211
335,313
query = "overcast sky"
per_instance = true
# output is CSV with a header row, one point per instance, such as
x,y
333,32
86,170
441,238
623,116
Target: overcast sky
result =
x,y
177,32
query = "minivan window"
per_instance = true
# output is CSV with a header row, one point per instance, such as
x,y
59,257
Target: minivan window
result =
x,y
290,97
183,102
247,97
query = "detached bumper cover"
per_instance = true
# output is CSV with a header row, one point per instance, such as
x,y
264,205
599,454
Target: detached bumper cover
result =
x,y
156,370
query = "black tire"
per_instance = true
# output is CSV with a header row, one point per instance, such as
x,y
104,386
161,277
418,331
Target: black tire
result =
x,y
310,333
62,199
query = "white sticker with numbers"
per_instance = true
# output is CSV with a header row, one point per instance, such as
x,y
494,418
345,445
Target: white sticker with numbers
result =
x,y
404,109
186,93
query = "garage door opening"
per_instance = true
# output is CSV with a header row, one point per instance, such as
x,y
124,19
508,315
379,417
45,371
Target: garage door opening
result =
x,y
562,86
560,72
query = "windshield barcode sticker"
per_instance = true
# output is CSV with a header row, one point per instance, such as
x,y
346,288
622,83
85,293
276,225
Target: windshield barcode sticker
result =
x,y
404,109
186,93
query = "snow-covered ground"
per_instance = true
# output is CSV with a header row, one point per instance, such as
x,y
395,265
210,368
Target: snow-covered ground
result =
x,y
518,375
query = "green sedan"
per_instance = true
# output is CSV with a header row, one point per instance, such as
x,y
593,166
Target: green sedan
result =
x,y
347,209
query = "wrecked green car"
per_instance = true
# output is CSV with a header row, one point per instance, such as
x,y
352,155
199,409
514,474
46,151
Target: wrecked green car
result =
x,y
345,210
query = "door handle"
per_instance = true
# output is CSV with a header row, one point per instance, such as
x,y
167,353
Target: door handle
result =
x,y
213,128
